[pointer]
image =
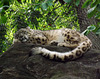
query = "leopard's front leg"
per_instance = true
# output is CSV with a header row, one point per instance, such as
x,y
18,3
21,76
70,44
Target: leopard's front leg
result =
x,y
40,39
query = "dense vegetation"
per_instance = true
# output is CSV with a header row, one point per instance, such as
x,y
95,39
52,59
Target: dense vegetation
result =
x,y
43,15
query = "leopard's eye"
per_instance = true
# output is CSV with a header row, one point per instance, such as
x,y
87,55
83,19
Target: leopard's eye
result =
x,y
21,36
71,38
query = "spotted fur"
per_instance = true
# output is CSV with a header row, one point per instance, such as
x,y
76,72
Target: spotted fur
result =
x,y
61,37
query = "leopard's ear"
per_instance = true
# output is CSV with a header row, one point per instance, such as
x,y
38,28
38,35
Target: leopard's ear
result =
x,y
28,27
16,41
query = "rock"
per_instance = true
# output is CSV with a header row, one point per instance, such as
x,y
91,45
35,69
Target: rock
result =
x,y
19,63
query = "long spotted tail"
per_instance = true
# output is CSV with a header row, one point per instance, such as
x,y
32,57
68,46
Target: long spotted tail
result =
x,y
71,55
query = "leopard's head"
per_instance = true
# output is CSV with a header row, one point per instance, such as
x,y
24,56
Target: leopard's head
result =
x,y
22,35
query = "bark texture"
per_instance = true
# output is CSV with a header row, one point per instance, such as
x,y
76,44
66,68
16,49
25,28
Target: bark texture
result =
x,y
84,22
19,63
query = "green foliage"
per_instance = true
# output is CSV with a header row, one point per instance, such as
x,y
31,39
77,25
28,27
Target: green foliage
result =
x,y
94,11
86,4
4,4
2,37
76,2
46,4
35,16
68,1
89,29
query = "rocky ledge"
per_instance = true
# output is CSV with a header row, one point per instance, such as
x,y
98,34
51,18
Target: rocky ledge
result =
x,y
19,63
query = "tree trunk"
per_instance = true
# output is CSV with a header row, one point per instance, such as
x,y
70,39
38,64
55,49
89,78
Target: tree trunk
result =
x,y
84,22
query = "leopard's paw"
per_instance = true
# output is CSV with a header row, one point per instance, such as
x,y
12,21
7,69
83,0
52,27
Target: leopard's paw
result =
x,y
62,44
36,50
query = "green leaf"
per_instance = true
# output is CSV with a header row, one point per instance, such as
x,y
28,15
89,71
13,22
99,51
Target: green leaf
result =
x,y
98,1
68,1
3,19
49,3
98,23
91,12
94,3
97,15
77,2
1,9
98,31
50,0
44,6
86,32
36,7
87,3
1,4
91,28
98,7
